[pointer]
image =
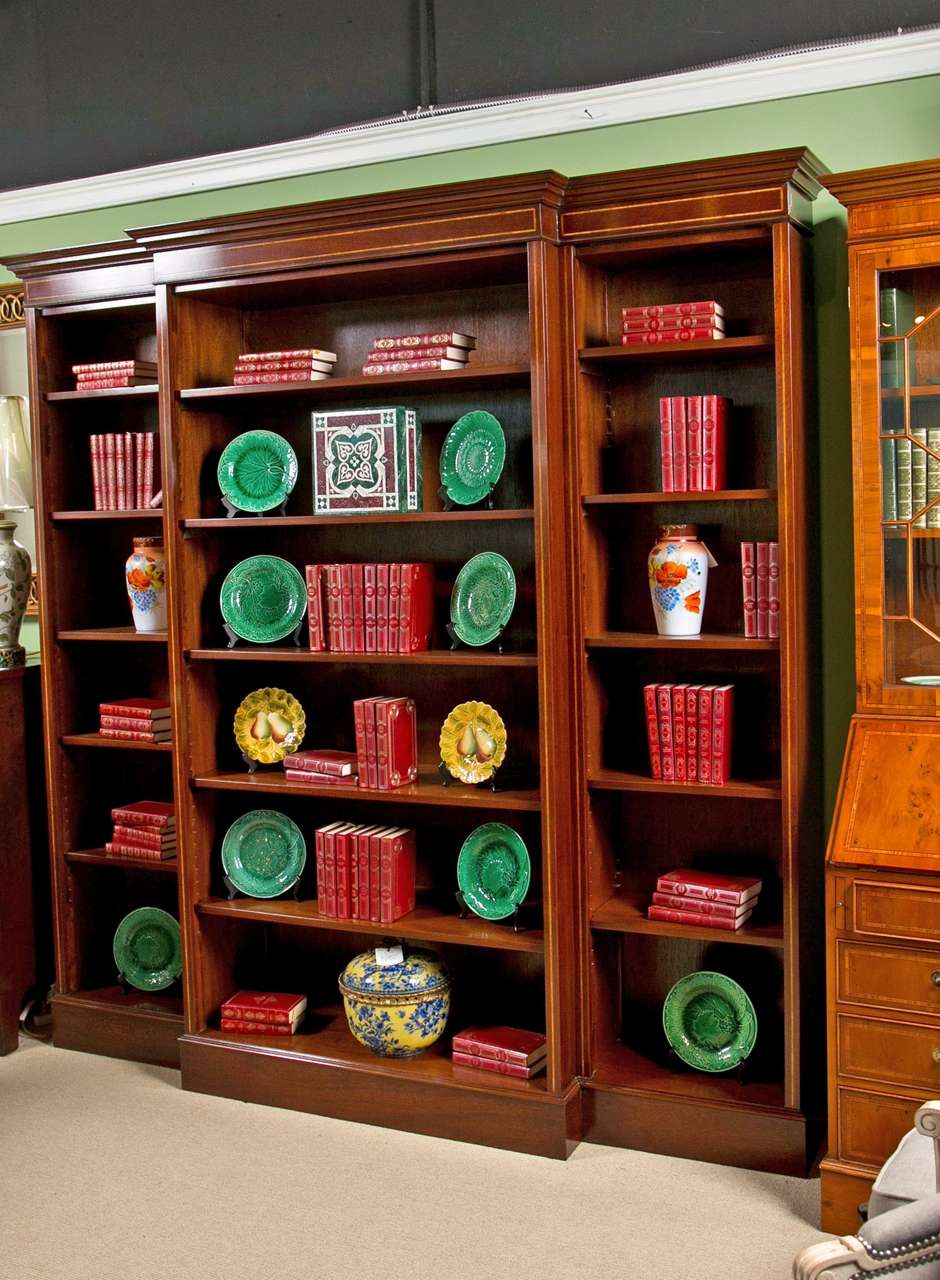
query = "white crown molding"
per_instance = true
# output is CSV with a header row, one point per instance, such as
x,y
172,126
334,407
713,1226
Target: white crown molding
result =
x,y
761,79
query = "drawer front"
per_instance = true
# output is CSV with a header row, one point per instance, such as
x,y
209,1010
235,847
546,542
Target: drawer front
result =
x,y
889,977
896,911
899,1052
871,1125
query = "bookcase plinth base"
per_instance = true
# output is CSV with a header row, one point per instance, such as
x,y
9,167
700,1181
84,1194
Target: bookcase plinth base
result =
x,y
116,1029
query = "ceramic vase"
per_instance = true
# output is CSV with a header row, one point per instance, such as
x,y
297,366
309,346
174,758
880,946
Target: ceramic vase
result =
x,y
396,1010
678,576
15,572
145,575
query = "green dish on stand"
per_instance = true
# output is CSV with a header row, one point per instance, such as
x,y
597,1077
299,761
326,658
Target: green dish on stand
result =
x,y
483,598
709,1021
493,871
147,949
472,457
257,471
263,853
263,599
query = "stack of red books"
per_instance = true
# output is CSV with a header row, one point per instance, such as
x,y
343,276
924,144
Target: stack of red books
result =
x,y
263,1013
386,742
418,352
106,375
370,608
135,719
760,587
688,727
323,768
704,898
692,433
144,830
125,470
304,364
365,872
673,322
505,1050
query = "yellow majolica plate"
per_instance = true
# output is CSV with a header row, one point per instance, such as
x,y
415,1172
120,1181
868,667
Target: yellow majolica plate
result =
x,y
473,742
269,725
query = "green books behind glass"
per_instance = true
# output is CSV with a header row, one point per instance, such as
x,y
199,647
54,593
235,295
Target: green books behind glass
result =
x,y
896,317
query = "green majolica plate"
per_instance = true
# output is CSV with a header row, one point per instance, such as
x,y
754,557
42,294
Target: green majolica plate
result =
x,y
257,471
263,853
493,870
709,1021
147,949
472,457
263,599
483,598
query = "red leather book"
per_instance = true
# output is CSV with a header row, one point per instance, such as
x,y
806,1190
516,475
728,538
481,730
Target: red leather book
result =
x,y
666,453
110,482
130,473
418,353
95,457
669,916
362,858
678,730
671,335
329,868
112,366
664,717
652,730
359,719
749,589
265,1006
396,874
119,468
109,384
316,634
712,886
680,469
257,1028
320,848
394,608
381,608
502,1044
358,609
340,764
773,593
369,576
705,699
136,708
343,873
722,717
120,849
396,741
135,735
334,607
313,779
346,608
500,1068
308,364
709,308
694,445
140,498
299,353
724,910
142,837
354,836
372,764
381,743
714,442
149,466
648,324
763,589
409,366
145,724
691,732
388,342
282,375
375,873
416,607
158,814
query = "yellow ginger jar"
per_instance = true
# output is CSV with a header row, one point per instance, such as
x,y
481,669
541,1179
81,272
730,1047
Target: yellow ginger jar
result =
x,y
396,1010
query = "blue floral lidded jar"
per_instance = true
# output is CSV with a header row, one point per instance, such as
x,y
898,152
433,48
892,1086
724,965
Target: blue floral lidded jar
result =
x,y
397,1010
678,576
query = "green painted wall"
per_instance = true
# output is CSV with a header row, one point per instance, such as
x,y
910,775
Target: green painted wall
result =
x,y
854,128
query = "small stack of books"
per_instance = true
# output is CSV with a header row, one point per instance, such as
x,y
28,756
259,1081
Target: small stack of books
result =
x,y
135,719
324,768
365,872
144,830
760,587
370,608
124,468
107,375
692,435
305,364
386,742
673,322
910,478
263,1013
505,1050
418,353
704,898
688,727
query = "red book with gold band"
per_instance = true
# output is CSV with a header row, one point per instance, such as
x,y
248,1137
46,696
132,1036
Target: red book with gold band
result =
x,y
669,916
749,589
712,886
340,764
265,1006
139,724
290,366
369,604
359,719
649,324
659,310
396,742
372,759
500,1068
375,872
410,366
120,849
416,607
694,445
418,353
362,858
300,353
773,593
502,1044
763,589
666,452
282,375
112,366
346,607
257,1028
448,338
358,609
334,605
680,468
343,873
135,735
313,779
111,384
725,910
691,732
136,708
722,715
652,730
144,838
381,608
316,631
397,874
714,442
394,608
157,814
653,336
664,716
705,696
679,730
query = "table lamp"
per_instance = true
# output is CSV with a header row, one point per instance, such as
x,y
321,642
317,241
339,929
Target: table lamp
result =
x,y
16,494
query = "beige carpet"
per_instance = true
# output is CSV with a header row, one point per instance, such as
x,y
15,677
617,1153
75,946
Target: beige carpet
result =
x,y
109,1172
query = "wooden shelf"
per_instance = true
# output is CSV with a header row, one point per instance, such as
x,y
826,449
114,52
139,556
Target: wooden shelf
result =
x,y
615,780
620,1067
148,513
427,658
896,393
124,635
425,922
428,790
655,497
97,740
99,858
221,523
107,393
160,1004
650,640
750,344
618,915
473,378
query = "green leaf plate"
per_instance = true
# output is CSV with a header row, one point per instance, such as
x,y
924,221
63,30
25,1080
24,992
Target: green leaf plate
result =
x,y
493,870
472,457
483,598
257,471
147,949
263,853
263,599
709,1021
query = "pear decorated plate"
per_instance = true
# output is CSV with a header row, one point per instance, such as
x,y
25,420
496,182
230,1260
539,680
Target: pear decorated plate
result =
x,y
709,1021
257,471
263,599
147,949
493,870
263,853
472,457
483,598
269,724
473,742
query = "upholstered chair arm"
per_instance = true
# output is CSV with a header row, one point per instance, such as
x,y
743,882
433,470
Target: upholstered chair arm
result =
x,y
891,1245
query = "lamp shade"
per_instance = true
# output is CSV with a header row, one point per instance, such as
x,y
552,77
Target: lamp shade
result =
x,y
16,479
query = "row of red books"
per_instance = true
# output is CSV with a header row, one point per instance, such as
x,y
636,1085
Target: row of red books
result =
x,y
693,443
386,742
263,1013
125,469
144,830
107,375
323,768
688,728
706,899
760,586
303,364
509,1051
370,608
365,872
673,322
418,352
135,719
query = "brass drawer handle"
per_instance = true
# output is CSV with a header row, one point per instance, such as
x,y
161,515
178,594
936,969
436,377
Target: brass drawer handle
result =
x,y
936,1055
935,977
